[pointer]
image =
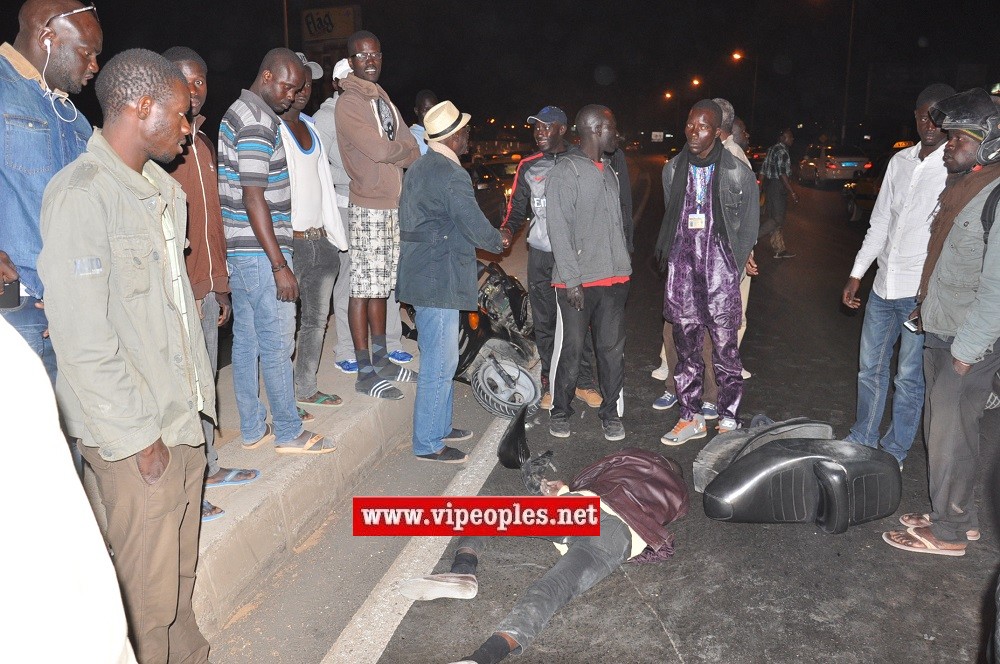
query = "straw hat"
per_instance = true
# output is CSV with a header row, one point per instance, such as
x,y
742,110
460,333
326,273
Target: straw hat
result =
x,y
443,120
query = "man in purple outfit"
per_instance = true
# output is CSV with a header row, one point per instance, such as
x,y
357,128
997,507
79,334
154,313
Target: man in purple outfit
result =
x,y
710,225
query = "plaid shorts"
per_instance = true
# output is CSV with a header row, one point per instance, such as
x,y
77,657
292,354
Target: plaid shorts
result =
x,y
374,251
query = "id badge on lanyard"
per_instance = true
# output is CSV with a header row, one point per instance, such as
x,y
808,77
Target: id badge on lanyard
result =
x,y
696,221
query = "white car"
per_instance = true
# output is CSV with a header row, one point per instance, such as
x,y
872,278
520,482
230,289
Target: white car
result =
x,y
823,163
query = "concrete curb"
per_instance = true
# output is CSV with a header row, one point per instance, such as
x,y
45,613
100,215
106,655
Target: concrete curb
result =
x,y
264,520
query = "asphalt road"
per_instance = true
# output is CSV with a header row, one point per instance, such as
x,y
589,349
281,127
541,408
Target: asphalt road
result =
x,y
733,592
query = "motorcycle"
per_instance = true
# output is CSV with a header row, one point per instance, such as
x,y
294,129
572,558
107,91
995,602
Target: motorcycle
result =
x,y
495,346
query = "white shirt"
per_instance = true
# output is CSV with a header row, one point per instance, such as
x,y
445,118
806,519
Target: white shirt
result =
x,y
901,223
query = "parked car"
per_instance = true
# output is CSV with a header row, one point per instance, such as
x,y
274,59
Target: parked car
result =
x,y
756,154
823,163
504,168
860,194
490,193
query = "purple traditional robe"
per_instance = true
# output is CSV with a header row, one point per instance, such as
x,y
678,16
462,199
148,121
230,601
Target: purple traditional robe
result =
x,y
703,281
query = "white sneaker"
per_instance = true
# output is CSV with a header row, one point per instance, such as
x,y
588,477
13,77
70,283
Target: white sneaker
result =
x,y
661,372
727,424
434,586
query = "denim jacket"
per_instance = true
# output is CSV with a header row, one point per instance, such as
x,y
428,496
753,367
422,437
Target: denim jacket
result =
x,y
35,145
127,365
440,227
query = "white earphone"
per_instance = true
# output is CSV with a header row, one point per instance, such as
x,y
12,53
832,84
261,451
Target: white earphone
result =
x,y
48,44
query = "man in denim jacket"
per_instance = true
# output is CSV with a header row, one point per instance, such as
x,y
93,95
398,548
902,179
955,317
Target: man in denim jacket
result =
x,y
54,55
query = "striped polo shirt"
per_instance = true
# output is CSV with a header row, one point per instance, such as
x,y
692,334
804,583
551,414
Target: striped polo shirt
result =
x,y
251,154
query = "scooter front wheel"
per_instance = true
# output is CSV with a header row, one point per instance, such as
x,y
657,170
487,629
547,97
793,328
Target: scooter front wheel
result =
x,y
502,387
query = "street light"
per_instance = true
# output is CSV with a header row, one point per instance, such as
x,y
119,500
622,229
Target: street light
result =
x,y
695,82
737,56
668,95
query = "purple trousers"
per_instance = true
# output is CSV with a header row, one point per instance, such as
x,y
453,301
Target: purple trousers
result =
x,y
689,375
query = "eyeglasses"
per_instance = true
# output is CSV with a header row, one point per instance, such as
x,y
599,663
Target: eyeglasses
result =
x,y
78,10
377,55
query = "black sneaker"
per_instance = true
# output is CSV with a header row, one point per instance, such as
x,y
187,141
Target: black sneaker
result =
x,y
613,430
446,455
559,428
457,436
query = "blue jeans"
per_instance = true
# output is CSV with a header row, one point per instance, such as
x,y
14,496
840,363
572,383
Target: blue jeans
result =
x,y
264,332
437,340
883,325
317,264
30,322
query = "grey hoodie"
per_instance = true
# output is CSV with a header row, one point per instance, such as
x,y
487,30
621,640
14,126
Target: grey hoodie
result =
x,y
585,221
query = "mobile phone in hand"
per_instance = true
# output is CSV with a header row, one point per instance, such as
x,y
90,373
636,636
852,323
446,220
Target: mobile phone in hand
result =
x,y
912,324
11,296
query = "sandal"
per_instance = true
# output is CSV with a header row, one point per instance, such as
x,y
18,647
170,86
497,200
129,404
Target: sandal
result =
x,y
307,443
305,415
321,399
233,477
916,520
266,438
210,512
920,540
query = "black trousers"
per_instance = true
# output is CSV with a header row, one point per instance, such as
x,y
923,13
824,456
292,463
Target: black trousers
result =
x,y
953,409
604,313
542,296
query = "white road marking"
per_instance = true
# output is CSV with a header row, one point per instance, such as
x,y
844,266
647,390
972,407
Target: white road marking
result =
x,y
370,630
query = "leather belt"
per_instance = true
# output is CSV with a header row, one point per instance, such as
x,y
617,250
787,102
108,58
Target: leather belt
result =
x,y
310,234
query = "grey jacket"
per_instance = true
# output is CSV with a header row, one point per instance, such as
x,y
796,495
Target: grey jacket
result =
x,y
963,295
127,366
740,204
585,222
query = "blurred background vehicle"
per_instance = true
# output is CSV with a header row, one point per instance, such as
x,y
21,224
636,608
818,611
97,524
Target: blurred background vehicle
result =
x,y
824,163
490,192
503,168
860,193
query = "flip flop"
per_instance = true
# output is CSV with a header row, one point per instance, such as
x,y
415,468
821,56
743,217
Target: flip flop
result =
x,y
266,438
230,478
207,514
917,543
305,415
307,443
917,520
321,399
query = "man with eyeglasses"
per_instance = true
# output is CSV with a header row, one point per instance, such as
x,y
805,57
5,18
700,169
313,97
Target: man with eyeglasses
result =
x,y
53,56
375,146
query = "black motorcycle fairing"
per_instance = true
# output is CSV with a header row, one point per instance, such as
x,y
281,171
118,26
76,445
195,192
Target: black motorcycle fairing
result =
x,y
833,483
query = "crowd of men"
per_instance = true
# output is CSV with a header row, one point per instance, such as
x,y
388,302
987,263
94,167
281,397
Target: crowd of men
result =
x,y
129,245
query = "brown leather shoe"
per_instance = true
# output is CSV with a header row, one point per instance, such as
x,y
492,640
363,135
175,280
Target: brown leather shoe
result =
x,y
591,397
546,401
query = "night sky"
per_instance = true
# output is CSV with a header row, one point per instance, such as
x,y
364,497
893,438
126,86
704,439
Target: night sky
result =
x,y
507,60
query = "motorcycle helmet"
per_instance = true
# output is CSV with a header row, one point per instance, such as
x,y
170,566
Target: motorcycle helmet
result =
x,y
976,112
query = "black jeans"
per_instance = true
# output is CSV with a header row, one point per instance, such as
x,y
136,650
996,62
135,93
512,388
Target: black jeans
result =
x,y
542,297
604,314
317,263
588,560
